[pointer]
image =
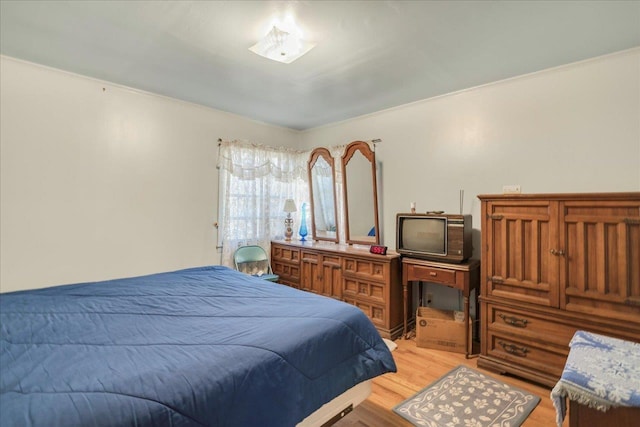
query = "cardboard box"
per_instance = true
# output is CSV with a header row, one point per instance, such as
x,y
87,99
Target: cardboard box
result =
x,y
439,329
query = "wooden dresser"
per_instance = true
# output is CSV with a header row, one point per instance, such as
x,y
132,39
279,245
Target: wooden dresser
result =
x,y
348,273
553,264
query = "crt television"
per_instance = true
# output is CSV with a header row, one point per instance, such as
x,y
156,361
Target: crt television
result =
x,y
437,237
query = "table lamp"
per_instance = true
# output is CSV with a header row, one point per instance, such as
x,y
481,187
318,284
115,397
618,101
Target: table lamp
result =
x,y
289,206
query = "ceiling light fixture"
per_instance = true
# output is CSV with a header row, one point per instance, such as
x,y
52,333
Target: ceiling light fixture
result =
x,y
281,46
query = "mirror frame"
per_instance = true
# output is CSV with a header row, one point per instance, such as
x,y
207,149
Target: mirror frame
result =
x,y
326,155
366,151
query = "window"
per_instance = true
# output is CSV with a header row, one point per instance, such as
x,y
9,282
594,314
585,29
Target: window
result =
x,y
255,181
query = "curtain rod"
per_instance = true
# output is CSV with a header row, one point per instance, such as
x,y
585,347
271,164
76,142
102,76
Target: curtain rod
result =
x,y
261,145
373,141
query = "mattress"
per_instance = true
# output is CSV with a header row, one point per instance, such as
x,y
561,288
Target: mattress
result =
x,y
204,346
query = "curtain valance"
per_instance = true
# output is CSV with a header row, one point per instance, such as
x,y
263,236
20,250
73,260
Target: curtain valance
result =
x,y
248,161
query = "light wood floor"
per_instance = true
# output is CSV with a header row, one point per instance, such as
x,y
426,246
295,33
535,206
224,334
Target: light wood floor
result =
x,y
419,367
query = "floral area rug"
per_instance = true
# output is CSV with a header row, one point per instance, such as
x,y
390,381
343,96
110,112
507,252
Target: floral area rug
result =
x,y
466,397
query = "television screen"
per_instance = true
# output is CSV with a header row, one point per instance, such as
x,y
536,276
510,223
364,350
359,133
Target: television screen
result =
x,y
425,235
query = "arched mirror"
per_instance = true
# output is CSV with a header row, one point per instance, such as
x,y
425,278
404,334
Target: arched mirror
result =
x,y
360,194
324,218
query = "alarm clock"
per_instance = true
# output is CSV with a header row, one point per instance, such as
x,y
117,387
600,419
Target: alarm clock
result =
x,y
378,249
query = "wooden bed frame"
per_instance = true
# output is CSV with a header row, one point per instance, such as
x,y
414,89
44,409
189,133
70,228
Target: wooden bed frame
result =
x,y
581,415
336,409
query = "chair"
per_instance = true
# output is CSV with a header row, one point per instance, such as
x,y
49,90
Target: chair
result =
x,y
253,260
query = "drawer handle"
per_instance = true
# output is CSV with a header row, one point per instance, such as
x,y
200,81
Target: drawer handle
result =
x,y
514,321
496,216
496,279
559,252
514,349
433,274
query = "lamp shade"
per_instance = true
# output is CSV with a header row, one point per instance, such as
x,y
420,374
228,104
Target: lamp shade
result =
x,y
289,206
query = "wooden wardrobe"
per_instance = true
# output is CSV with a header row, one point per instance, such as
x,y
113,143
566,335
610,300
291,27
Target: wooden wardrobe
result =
x,y
553,264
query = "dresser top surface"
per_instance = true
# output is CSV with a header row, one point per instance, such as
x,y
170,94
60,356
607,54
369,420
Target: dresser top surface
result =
x,y
359,250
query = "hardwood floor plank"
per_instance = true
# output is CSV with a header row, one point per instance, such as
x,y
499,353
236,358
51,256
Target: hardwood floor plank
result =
x,y
418,368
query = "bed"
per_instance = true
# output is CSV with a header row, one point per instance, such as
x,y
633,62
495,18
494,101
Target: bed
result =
x,y
204,346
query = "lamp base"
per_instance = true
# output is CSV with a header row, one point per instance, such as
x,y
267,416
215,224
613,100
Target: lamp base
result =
x,y
288,227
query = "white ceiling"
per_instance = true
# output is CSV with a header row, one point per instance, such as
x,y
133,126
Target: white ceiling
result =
x,y
370,55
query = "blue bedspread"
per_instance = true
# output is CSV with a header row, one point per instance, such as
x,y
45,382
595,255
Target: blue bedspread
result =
x,y
198,347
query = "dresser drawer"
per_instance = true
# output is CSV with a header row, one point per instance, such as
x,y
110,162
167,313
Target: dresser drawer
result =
x,y
290,272
377,313
331,260
525,325
366,269
542,357
283,253
313,257
295,285
372,291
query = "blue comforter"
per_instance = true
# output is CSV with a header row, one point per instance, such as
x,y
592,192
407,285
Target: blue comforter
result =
x,y
198,347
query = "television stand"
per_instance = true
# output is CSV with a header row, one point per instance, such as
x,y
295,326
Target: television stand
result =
x,y
464,277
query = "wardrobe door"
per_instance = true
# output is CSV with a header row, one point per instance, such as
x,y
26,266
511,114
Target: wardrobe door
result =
x,y
520,238
601,258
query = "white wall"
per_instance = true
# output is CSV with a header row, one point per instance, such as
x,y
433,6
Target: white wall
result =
x,y
100,181
569,129
100,184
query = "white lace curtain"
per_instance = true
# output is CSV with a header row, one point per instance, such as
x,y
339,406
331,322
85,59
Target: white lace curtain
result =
x,y
255,181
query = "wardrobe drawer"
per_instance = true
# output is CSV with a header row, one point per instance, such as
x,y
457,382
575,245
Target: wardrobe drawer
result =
x,y
525,325
543,357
